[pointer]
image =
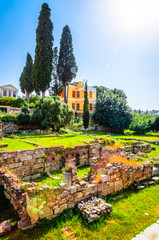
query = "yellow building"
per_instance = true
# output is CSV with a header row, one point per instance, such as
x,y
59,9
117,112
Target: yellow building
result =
x,y
76,98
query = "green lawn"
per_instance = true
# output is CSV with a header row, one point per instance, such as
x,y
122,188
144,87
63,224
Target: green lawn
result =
x,y
16,144
66,140
130,216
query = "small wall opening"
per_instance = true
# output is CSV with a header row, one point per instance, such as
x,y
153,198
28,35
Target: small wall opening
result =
x,y
62,162
77,159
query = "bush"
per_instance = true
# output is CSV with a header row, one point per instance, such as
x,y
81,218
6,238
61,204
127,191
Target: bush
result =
x,y
112,110
23,118
8,117
34,98
155,124
9,101
50,112
141,124
32,105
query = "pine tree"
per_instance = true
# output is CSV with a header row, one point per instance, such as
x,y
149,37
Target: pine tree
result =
x,y
26,77
42,68
86,114
67,64
57,87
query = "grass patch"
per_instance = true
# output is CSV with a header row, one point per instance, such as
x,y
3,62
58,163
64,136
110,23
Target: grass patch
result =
x,y
15,144
127,219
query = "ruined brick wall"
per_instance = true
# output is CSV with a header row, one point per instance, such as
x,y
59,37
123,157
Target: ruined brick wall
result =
x,y
48,202
30,164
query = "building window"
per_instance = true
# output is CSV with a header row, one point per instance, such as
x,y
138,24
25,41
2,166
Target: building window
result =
x,y
91,106
78,94
90,94
73,94
78,106
14,94
73,106
4,93
9,93
63,93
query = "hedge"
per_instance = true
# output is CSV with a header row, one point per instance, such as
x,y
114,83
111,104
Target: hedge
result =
x,y
9,101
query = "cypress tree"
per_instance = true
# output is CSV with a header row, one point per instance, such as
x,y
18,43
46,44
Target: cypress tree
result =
x,y
86,114
67,64
26,77
42,68
57,87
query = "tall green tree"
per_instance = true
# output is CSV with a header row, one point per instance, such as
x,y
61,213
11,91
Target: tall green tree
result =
x,y
56,87
42,68
67,64
25,80
112,110
86,114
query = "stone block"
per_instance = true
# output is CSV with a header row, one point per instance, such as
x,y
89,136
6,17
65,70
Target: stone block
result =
x,y
73,189
67,178
155,171
104,178
56,210
62,207
118,185
63,185
92,188
35,176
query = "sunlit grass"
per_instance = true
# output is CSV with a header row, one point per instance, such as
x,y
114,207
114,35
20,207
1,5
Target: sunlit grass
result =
x,y
125,222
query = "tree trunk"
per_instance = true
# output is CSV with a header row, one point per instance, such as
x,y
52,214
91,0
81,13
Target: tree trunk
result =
x,y
43,94
27,96
86,131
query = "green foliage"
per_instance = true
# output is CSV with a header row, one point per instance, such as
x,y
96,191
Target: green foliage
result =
x,y
155,124
141,123
34,98
42,68
32,105
4,117
25,80
66,63
112,110
86,115
9,101
100,89
50,112
23,118
57,87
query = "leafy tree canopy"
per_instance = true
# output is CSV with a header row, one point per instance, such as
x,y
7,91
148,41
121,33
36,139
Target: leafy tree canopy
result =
x,y
112,110
25,80
42,68
50,112
66,67
86,115
141,123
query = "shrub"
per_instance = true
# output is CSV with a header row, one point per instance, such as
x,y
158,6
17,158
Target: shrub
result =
x,y
23,118
112,110
9,101
50,112
155,124
31,105
34,98
8,117
141,123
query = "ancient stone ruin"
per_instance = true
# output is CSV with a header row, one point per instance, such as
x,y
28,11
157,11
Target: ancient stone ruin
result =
x,y
33,203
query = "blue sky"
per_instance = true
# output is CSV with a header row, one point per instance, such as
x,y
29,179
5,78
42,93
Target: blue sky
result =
x,y
116,42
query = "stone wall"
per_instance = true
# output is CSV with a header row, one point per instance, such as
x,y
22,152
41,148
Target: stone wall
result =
x,y
47,202
32,163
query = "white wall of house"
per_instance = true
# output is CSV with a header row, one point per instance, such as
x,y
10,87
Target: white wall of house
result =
x,y
8,91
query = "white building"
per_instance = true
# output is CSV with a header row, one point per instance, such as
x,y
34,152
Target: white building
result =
x,y
8,91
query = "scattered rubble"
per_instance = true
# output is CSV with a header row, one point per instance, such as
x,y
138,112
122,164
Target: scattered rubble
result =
x,y
93,208
5,227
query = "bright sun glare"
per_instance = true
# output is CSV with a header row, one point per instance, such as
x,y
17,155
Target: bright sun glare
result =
x,y
132,16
